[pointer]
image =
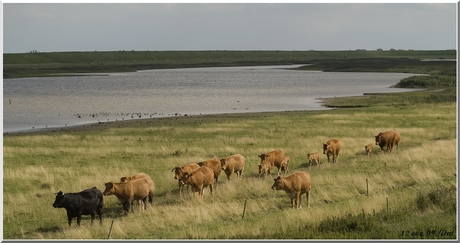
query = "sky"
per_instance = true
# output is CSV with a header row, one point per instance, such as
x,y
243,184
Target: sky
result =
x,y
63,26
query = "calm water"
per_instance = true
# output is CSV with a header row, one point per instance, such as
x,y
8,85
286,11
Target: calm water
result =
x,y
34,103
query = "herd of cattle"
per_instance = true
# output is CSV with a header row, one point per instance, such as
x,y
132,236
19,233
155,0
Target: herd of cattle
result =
x,y
198,176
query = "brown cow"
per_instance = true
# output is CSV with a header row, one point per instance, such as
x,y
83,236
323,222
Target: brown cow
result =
x,y
369,148
199,179
233,163
129,191
215,166
294,185
135,177
179,172
275,158
313,158
332,147
387,140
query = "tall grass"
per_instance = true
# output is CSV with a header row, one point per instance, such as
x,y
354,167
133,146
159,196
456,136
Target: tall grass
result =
x,y
342,205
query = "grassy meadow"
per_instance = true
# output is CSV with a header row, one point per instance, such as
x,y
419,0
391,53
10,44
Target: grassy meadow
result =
x,y
411,193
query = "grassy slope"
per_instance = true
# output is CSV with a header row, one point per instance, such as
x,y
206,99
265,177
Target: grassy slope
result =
x,y
74,159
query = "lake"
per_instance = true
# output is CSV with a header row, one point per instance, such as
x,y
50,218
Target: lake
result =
x,y
35,103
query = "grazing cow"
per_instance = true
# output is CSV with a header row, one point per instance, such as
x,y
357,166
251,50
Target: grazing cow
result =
x,y
129,191
275,158
134,177
369,148
179,172
87,202
233,163
332,147
294,185
199,179
264,168
387,140
215,166
313,158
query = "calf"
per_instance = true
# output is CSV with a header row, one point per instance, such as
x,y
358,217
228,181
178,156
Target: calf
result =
x,y
284,166
87,202
129,191
294,185
332,147
313,158
215,166
179,172
199,179
264,168
369,148
233,163
275,158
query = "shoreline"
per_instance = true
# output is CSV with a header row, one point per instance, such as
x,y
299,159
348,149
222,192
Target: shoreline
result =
x,y
137,122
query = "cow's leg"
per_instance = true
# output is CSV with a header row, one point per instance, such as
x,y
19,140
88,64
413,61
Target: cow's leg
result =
x,y
69,219
292,202
298,199
126,206
307,195
144,200
93,215
78,219
99,213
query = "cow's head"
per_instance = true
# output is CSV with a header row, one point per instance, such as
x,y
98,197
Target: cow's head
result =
x,y
60,198
263,157
177,172
278,184
325,147
223,163
377,139
125,178
108,189
185,177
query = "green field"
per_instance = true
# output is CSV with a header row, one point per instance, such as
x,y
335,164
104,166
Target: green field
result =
x,y
410,193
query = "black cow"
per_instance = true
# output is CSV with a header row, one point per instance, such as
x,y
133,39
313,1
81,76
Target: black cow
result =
x,y
87,202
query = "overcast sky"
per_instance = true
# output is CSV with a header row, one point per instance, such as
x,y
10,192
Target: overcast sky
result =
x,y
57,27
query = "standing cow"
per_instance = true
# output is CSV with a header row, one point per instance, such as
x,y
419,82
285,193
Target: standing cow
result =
x,y
215,166
294,185
275,158
332,147
264,168
313,158
199,179
387,140
233,164
179,172
87,202
128,191
135,177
